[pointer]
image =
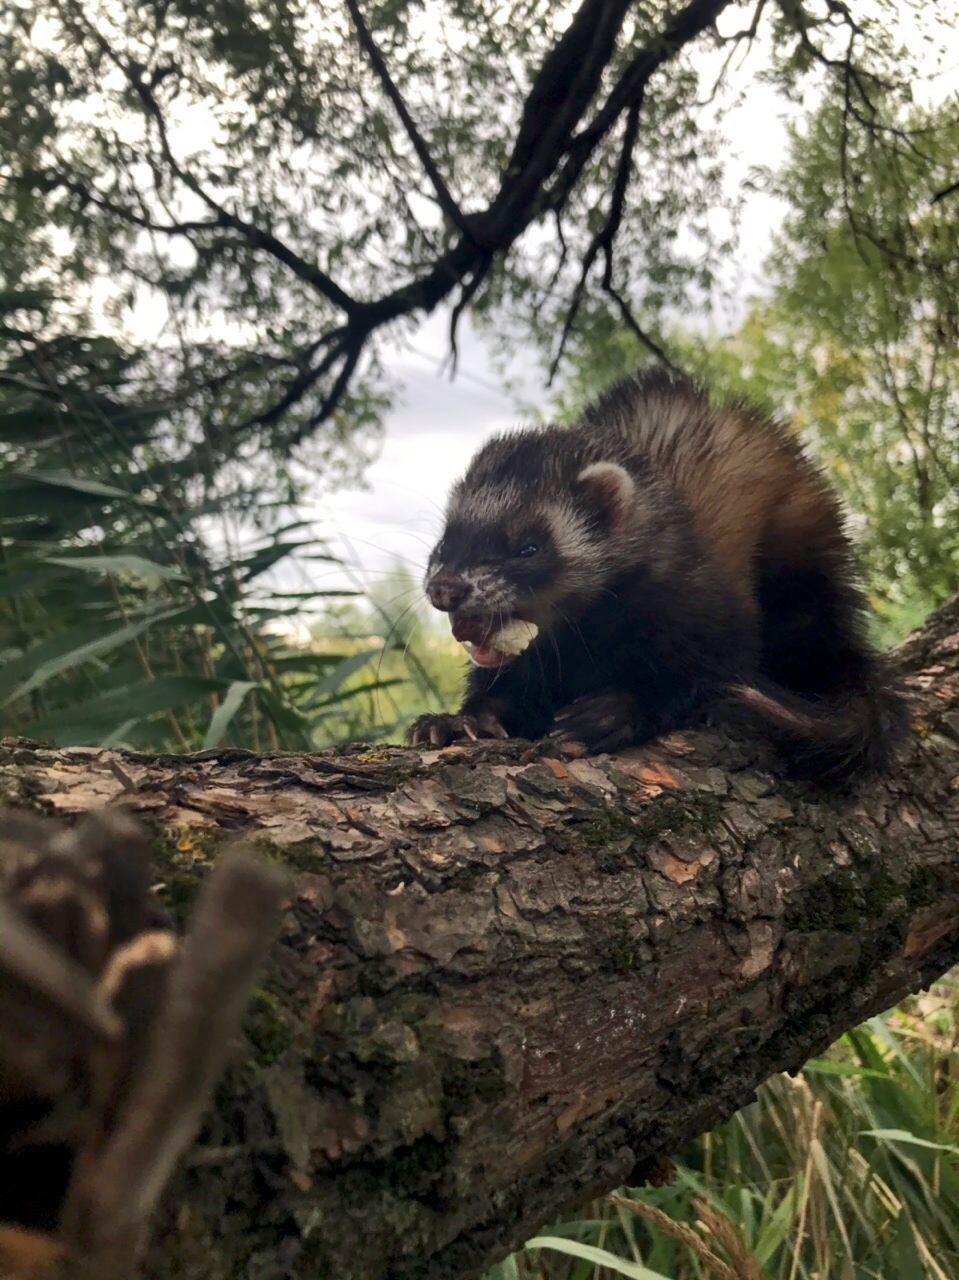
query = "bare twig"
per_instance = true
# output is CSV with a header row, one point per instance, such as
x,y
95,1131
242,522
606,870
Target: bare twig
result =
x,y
603,242
560,263
466,295
635,328
603,239
443,195
734,41
255,236
945,193
86,191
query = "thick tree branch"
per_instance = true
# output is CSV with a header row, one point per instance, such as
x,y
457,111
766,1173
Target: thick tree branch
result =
x,y
562,91
507,982
546,144
691,21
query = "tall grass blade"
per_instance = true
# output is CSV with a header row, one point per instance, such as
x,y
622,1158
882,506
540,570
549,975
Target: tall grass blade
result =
x,y
225,712
599,1257
91,649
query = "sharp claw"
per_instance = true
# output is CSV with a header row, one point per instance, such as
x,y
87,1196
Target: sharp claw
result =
x,y
498,730
436,736
469,731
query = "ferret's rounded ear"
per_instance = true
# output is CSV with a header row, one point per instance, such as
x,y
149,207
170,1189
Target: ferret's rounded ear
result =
x,y
610,487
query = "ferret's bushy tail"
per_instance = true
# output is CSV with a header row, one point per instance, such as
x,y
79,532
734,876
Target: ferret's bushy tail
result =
x,y
855,734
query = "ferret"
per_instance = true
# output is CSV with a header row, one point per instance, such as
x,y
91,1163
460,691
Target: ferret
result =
x,y
674,560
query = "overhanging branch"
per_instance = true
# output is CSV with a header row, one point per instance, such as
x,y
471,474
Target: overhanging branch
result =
x,y
143,86
547,144
555,140
443,195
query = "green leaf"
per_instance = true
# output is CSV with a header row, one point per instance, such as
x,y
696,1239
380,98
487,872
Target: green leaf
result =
x,y
93,720
508,1269
91,649
824,1067
21,580
139,566
910,1139
304,662
284,716
340,697
776,1227
226,711
600,1257
265,558
347,668
77,484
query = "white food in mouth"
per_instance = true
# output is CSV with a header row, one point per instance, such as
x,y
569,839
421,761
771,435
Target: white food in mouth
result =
x,y
510,640
514,637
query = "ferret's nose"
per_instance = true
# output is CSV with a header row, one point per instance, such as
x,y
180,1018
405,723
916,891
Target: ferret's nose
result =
x,y
447,592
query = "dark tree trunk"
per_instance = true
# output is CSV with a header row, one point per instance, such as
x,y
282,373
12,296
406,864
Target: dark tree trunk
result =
x,y
506,983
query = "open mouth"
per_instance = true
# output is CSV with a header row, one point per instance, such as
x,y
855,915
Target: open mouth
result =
x,y
482,655
497,648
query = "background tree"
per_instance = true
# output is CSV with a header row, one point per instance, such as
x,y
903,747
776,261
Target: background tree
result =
x,y
862,330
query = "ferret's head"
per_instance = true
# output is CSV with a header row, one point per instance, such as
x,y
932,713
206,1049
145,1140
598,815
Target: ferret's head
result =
x,y
531,534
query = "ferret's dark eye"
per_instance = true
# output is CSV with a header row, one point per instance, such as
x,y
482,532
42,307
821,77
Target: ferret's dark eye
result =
x,y
524,553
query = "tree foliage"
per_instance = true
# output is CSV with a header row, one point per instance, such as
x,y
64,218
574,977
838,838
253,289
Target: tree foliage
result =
x,y
284,182
128,612
864,328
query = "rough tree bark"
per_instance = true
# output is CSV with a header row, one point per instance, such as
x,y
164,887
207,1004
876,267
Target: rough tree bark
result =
x,y
507,982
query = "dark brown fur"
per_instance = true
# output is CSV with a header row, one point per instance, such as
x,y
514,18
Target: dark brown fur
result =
x,y
687,557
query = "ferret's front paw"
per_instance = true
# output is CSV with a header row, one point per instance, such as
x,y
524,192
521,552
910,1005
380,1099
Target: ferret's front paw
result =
x,y
440,730
605,721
